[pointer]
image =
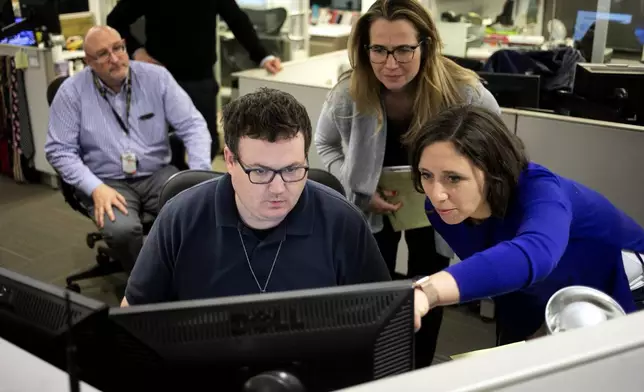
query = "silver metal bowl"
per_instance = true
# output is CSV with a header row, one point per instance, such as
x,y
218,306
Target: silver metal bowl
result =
x,y
578,307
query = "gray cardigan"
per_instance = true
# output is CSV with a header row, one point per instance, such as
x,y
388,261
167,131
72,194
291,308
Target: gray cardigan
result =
x,y
352,149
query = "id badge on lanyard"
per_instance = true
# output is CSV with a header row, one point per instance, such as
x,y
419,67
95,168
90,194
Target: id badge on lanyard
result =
x,y
128,162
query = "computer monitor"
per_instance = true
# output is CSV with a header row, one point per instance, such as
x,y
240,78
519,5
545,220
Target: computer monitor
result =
x,y
625,26
513,90
36,15
33,316
310,340
610,92
23,38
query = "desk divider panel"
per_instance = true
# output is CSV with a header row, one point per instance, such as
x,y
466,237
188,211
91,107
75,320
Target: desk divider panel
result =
x,y
608,159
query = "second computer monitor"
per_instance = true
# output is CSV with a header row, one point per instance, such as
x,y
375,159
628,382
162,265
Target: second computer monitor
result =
x,y
313,340
36,317
513,90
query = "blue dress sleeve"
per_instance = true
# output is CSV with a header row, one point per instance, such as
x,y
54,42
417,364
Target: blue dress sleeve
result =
x,y
544,214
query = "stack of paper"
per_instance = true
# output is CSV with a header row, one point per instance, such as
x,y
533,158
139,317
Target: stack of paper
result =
x,y
487,350
634,269
412,213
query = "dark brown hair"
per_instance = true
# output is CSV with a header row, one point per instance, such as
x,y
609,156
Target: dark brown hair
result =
x,y
482,137
265,114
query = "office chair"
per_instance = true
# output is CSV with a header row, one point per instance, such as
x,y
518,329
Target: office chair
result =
x,y
189,178
183,180
106,264
325,178
268,25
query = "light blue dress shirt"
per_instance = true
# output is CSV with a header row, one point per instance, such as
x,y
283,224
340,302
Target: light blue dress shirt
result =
x,y
85,141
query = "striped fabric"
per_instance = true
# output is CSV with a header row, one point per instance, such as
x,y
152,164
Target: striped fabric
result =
x,y
15,122
85,142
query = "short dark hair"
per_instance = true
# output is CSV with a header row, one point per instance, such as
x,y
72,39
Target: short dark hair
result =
x,y
265,114
482,137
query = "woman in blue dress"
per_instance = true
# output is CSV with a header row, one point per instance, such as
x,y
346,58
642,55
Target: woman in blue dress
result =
x,y
521,231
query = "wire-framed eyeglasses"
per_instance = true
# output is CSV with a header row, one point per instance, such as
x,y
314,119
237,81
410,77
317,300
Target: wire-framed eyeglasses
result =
x,y
103,55
266,175
378,54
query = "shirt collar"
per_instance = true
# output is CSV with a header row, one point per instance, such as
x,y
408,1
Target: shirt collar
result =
x,y
299,221
109,90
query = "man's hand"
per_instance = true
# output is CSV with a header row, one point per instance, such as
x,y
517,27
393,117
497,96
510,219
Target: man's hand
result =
x,y
104,198
421,307
142,55
273,65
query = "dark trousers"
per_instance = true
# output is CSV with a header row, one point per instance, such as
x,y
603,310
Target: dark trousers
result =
x,y
204,96
124,236
423,260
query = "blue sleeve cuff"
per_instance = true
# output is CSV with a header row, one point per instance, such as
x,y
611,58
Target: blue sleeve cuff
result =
x,y
89,183
265,59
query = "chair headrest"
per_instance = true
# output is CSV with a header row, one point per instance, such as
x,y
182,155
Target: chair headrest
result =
x,y
183,180
53,87
325,178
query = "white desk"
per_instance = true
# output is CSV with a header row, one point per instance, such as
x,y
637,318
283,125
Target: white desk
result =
x,y
607,357
22,372
73,54
330,30
327,38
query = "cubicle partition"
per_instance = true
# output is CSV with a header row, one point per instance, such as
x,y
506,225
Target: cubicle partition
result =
x,y
606,357
604,156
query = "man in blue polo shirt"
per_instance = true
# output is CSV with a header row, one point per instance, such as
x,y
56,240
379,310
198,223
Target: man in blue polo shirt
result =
x,y
263,227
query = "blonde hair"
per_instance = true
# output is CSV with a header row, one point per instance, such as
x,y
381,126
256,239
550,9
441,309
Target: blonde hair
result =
x,y
440,82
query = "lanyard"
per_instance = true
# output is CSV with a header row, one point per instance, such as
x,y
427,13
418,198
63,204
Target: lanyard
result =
x,y
128,99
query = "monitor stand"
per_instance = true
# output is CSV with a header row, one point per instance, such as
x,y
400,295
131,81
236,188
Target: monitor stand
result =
x,y
274,381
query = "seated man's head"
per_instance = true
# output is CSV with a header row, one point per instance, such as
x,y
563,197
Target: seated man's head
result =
x,y
105,53
267,136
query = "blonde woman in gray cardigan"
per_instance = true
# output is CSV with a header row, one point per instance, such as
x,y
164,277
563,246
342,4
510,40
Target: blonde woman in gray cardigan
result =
x,y
399,81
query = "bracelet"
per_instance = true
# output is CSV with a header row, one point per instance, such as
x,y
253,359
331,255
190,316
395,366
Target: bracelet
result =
x,y
426,286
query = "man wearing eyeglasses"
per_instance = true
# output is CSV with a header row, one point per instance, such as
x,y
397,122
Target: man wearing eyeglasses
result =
x,y
262,227
108,138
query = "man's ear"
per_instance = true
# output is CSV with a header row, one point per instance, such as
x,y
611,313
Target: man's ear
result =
x,y
229,158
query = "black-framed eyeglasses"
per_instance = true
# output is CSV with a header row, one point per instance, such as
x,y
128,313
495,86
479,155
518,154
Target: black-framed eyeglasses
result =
x,y
378,54
266,175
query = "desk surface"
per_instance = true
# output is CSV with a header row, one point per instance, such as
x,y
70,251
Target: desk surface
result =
x,y
20,371
322,30
73,54
329,30
605,357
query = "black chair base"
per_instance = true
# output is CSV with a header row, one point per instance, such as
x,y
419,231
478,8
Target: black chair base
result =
x,y
105,266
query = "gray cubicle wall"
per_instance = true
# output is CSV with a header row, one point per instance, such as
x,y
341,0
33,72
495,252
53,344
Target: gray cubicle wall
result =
x,y
607,157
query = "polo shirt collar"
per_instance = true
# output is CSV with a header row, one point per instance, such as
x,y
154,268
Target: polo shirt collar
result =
x,y
299,221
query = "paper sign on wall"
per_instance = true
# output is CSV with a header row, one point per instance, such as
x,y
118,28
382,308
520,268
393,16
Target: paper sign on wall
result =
x,y
21,59
33,61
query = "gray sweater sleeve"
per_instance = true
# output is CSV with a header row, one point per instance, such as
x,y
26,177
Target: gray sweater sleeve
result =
x,y
328,140
482,97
